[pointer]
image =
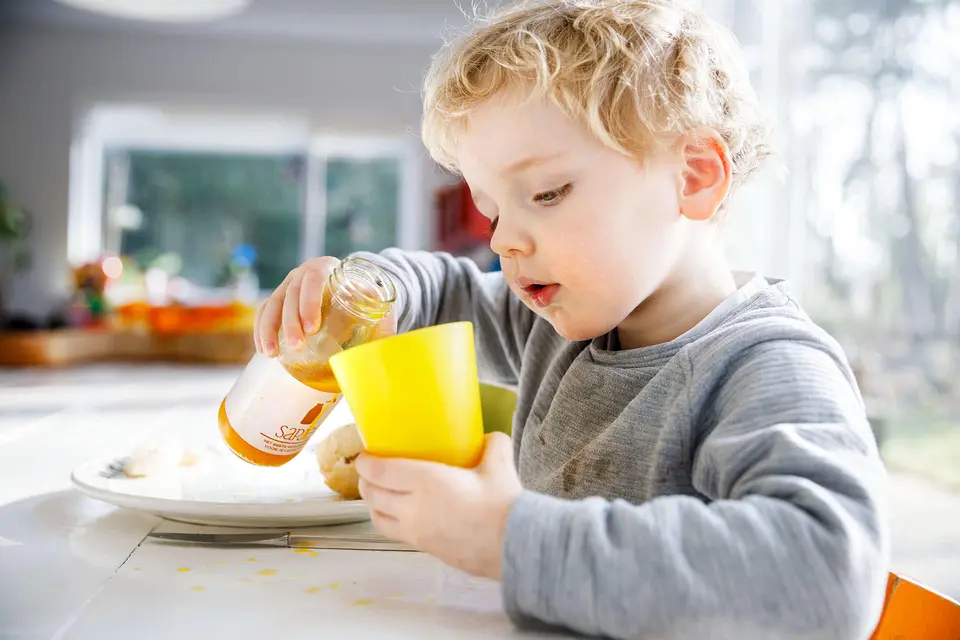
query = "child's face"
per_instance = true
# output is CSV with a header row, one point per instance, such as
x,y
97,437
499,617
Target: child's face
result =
x,y
600,230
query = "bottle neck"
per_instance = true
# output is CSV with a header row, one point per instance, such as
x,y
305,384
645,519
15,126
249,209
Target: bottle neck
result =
x,y
362,288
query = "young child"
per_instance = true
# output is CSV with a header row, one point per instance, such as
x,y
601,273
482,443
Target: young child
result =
x,y
693,454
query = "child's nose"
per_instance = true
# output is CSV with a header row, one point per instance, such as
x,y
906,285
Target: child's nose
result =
x,y
510,239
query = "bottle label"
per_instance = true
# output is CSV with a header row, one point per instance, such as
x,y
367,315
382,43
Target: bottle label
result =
x,y
274,412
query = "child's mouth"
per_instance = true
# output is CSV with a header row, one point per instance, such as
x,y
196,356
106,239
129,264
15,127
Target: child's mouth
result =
x,y
541,294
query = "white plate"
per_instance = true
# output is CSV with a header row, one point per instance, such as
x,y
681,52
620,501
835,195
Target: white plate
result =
x,y
226,491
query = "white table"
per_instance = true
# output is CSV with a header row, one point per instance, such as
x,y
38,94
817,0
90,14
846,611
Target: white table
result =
x,y
75,568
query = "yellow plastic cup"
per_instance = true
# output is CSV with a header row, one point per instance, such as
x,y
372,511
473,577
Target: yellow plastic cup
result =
x,y
416,395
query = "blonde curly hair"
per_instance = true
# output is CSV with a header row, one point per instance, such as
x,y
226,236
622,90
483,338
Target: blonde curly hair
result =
x,y
637,73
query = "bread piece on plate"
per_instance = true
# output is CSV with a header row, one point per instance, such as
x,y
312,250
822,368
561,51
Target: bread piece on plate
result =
x,y
336,455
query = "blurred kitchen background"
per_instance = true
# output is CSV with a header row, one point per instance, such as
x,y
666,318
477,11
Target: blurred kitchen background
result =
x,y
159,176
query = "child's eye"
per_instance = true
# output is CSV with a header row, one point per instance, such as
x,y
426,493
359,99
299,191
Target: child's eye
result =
x,y
552,197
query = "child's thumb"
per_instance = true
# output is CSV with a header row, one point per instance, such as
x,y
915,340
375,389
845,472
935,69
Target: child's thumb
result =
x,y
497,451
388,325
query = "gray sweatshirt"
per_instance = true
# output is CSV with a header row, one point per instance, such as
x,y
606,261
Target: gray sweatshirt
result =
x,y
722,485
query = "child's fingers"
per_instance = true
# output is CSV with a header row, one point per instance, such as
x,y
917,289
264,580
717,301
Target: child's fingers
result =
x,y
269,318
399,475
290,312
386,525
270,325
497,452
256,328
312,290
391,509
388,326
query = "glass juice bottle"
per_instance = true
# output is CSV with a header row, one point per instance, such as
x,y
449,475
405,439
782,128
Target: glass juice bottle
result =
x,y
277,404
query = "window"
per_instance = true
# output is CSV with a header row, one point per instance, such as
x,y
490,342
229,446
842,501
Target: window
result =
x,y
204,197
362,204
202,209
865,220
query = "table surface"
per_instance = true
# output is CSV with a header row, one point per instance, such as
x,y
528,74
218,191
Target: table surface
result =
x,y
76,568
73,567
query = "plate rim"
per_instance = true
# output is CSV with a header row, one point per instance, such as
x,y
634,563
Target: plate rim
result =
x,y
157,505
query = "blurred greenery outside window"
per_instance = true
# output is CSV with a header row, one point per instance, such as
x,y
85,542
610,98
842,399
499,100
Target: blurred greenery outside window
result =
x,y
206,215
864,97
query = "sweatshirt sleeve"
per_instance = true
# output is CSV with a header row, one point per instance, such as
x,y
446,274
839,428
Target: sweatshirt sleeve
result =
x,y
437,288
789,540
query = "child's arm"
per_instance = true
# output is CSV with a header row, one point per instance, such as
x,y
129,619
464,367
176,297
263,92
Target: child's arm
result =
x,y
433,288
436,288
791,544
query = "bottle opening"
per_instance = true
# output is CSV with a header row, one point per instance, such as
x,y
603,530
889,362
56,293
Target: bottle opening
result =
x,y
363,288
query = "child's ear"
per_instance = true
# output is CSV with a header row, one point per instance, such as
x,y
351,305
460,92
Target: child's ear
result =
x,y
705,175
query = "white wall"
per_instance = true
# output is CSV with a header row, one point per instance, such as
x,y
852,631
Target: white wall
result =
x,y
48,76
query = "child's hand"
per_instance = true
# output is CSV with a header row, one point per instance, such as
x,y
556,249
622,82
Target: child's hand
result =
x,y
295,306
457,515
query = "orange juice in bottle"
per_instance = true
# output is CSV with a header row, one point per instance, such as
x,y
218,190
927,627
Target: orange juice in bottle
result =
x,y
277,404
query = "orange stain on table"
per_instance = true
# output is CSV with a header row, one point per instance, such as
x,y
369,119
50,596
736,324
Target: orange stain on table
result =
x,y
306,552
334,585
363,603
183,569
267,572
198,589
313,590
